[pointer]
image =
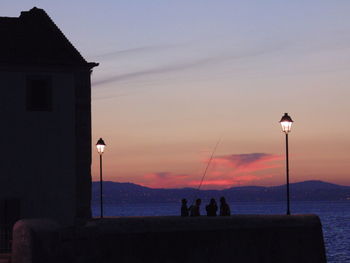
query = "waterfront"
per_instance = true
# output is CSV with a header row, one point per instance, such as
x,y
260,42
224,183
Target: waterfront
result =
x,y
335,218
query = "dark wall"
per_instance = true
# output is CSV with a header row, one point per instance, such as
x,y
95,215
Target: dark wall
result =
x,y
38,166
10,210
83,144
46,164
250,238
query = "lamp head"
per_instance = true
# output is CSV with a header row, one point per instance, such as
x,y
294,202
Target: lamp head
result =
x,y
100,145
286,123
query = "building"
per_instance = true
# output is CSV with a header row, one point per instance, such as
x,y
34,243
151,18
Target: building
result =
x,y
45,113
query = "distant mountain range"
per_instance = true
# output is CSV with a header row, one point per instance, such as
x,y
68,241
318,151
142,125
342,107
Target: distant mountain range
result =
x,y
114,193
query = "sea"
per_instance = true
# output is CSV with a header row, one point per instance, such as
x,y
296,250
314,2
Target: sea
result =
x,y
335,218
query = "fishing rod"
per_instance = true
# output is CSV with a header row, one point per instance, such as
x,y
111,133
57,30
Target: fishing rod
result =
x,y
206,168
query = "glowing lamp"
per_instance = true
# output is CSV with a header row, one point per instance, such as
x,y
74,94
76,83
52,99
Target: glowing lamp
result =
x,y
286,123
100,145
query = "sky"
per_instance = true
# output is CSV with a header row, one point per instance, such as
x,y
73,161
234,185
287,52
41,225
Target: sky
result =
x,y
177,78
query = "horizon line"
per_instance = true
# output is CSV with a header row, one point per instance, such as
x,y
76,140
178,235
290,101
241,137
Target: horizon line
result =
x,y
223,188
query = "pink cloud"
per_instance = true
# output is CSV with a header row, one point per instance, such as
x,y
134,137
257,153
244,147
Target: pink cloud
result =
x,y
165,180
225,171
250,162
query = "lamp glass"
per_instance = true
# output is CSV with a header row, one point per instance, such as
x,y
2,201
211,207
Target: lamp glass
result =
x,y
100,148
286,123
286,126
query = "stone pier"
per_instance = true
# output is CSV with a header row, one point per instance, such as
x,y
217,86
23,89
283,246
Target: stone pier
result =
x,y
238,238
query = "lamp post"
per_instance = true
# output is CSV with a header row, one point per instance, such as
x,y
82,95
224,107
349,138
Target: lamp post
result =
x,y
100,145
286,123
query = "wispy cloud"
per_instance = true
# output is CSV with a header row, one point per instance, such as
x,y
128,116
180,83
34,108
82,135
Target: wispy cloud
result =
x,y
157,70
115,54
189,63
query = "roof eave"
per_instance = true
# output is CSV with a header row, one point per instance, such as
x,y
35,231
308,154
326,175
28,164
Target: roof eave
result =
x,y
47,67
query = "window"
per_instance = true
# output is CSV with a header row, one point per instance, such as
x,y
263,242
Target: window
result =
x,y
39,94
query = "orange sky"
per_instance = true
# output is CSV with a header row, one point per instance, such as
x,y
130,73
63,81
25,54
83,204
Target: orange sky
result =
x,y
176,76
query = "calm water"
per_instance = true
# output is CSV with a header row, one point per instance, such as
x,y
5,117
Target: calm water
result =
x,y
335,218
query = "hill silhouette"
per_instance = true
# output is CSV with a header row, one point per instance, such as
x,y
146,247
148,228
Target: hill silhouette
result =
x,y
115,193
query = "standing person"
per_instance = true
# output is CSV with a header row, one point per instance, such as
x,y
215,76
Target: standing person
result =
x,y
224,207
211,208
184,208
195,209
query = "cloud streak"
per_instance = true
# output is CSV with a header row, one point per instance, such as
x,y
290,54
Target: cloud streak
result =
x,y
185,65
157,70
134,51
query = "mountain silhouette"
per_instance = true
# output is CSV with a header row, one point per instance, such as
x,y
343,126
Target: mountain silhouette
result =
x,y
115,193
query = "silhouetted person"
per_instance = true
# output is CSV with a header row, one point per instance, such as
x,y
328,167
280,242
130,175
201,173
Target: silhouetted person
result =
x,y
184,208
194,209
224,207
211,208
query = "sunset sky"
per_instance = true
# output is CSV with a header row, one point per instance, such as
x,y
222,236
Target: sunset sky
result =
x,y
176,77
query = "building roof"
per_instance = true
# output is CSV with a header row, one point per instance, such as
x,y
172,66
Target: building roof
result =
x,y
33,39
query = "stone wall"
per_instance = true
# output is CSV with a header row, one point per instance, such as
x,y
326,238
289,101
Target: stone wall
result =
x,y
240,238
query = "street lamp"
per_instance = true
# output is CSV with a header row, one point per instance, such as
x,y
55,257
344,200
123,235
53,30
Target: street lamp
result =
x,y
100,145
286,123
